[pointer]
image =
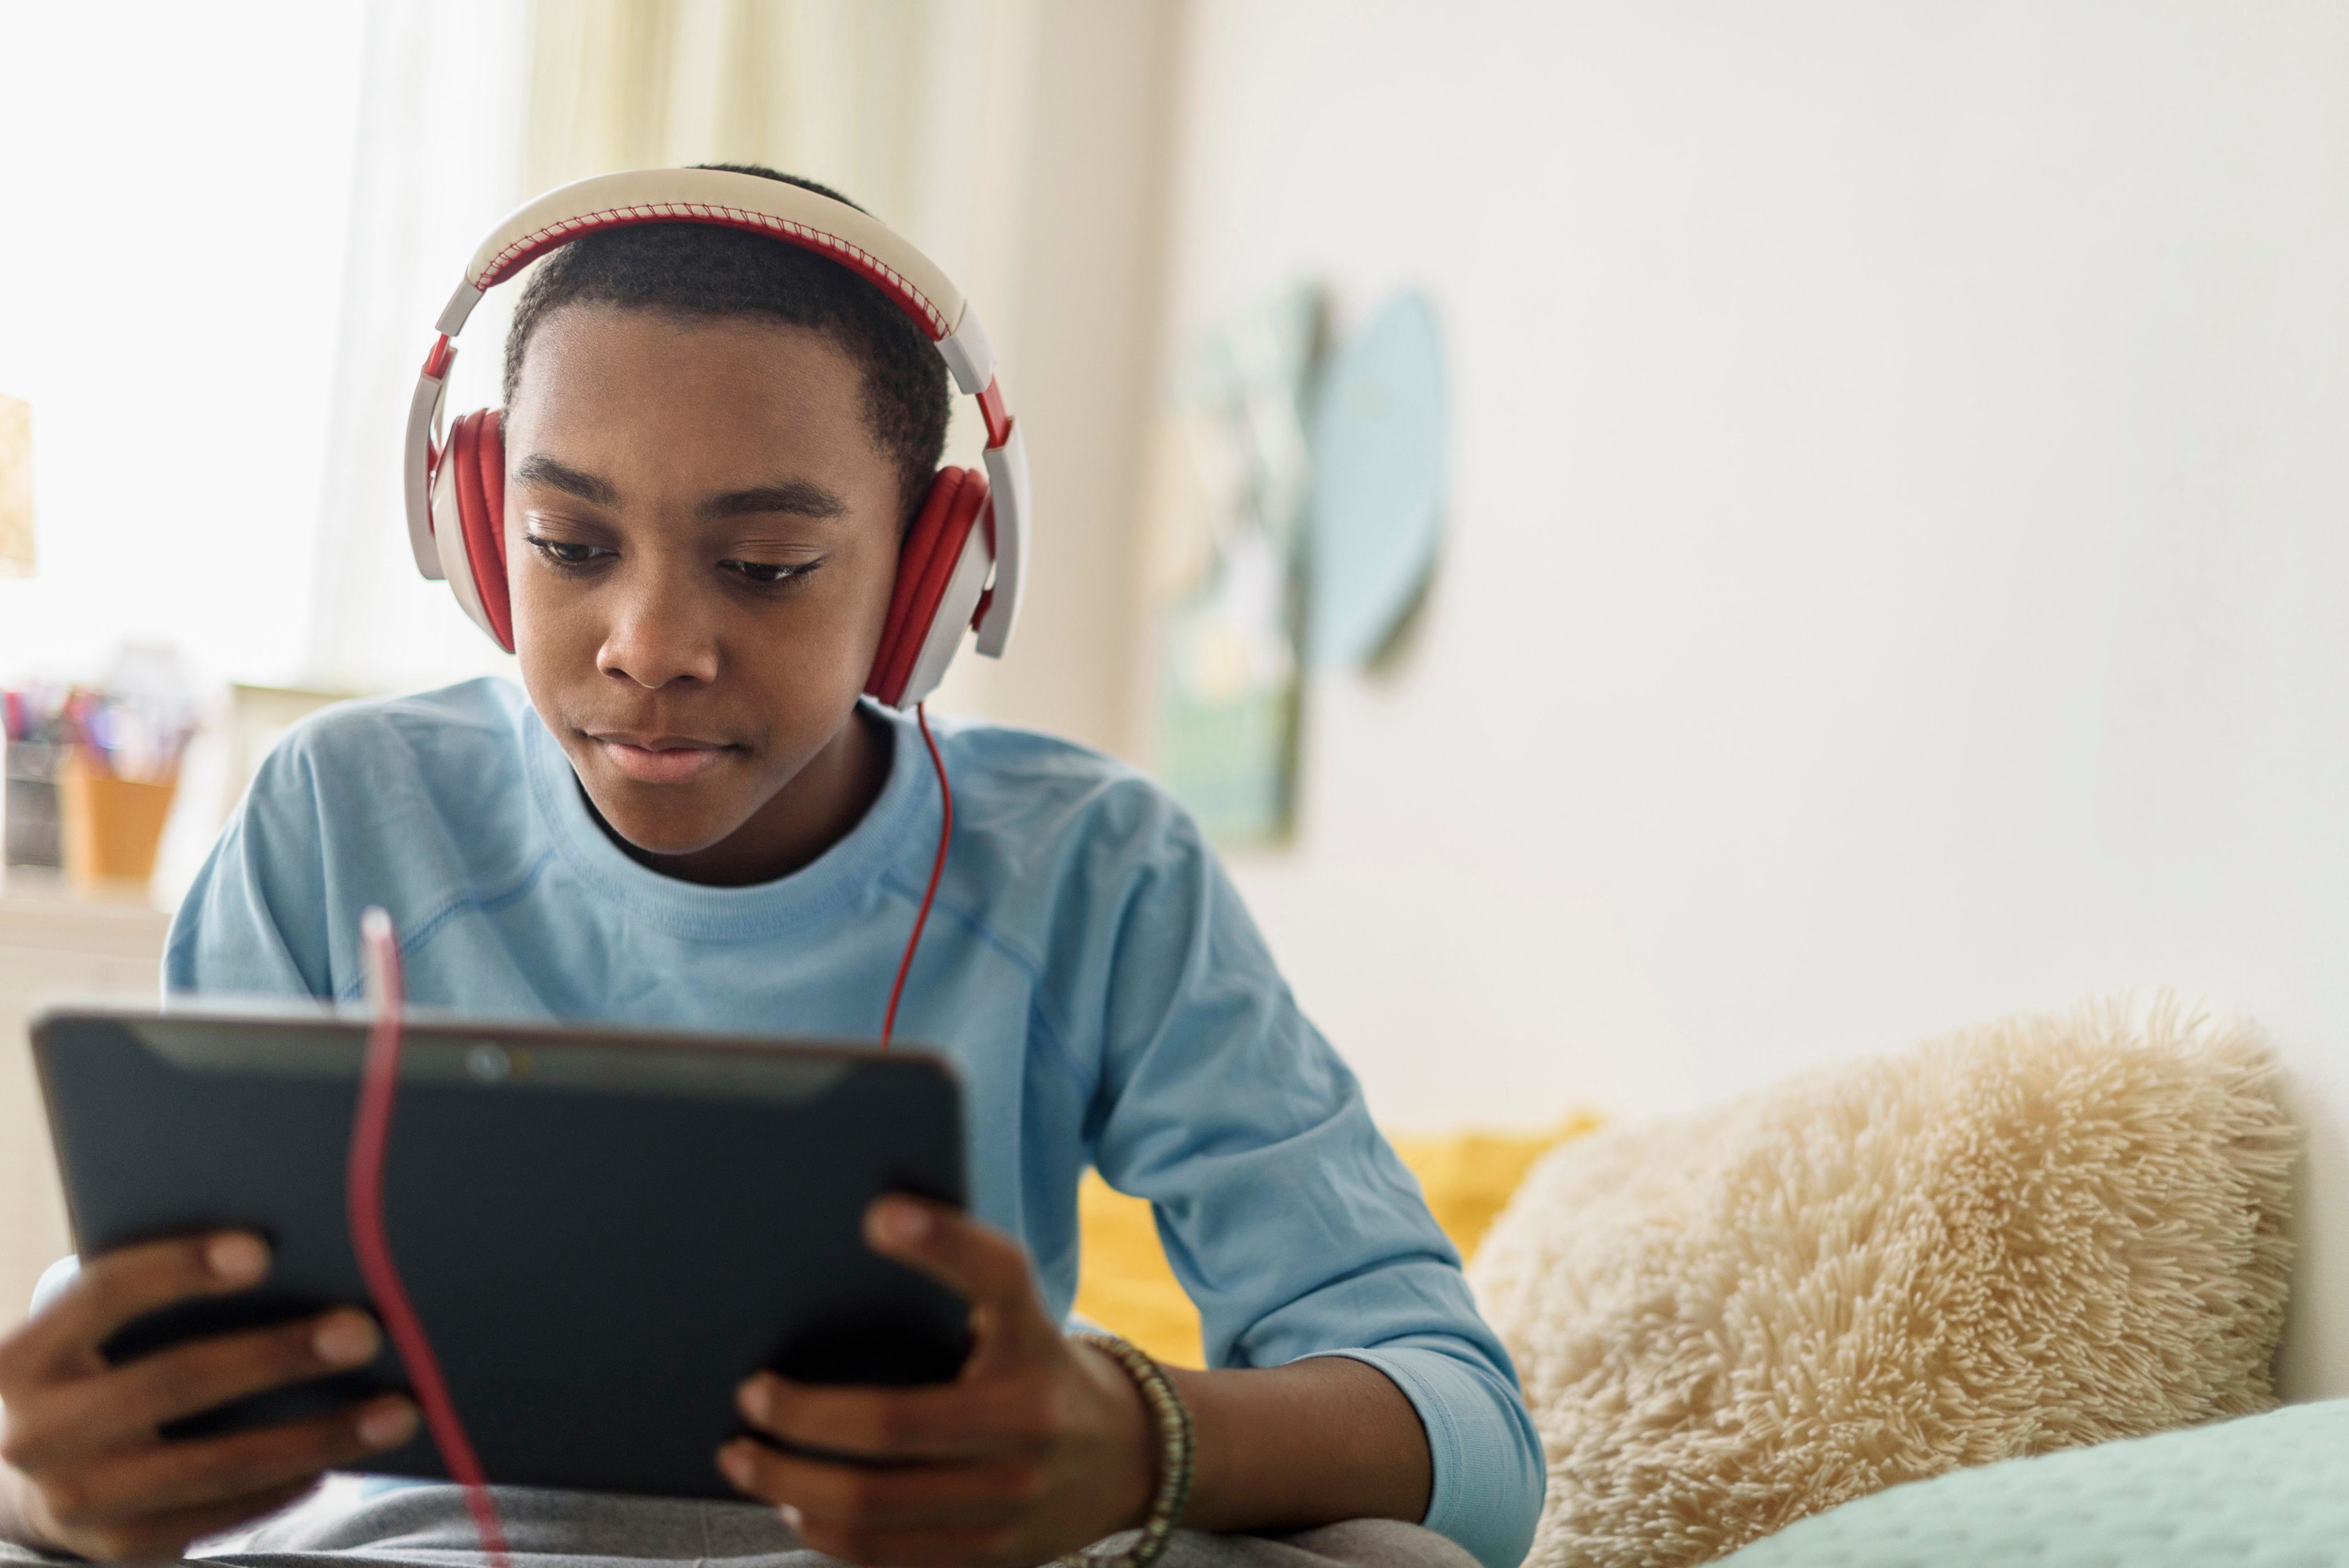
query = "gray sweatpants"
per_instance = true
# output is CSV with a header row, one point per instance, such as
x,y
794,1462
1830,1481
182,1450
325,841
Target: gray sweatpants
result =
x,y
426,1527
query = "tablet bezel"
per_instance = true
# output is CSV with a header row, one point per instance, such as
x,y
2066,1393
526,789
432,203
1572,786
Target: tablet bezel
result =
x,y
307,1055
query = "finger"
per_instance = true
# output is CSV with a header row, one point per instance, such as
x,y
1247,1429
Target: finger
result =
x,y
130,1402
169,1476
123,1285
942,1421
847,1495
982,1265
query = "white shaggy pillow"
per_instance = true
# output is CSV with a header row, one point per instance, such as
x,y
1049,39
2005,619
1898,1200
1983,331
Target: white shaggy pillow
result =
x,y
2051,1231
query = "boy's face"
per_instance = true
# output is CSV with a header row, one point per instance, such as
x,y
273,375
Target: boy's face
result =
x,y
701,536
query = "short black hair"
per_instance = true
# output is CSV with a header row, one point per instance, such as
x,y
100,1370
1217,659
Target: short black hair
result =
x,y
703,270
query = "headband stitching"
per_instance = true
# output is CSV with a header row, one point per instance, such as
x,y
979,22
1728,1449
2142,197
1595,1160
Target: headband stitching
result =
x,y
742,217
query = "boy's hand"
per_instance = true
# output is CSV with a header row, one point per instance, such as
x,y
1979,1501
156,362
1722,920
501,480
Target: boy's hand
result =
x,y
1042,1445
82,1466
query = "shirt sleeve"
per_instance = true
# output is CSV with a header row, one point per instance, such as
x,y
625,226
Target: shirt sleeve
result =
x,y
1284,1212
255,921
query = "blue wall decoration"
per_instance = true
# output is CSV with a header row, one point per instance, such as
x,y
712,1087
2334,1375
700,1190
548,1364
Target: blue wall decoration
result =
x,y
1376,513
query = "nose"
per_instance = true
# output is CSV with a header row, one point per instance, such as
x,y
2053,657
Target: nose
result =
x,y
660,634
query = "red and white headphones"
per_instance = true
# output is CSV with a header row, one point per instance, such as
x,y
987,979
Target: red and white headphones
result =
x,y
964,559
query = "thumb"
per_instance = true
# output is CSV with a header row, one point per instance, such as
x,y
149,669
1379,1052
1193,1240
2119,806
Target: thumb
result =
x,y
981,1264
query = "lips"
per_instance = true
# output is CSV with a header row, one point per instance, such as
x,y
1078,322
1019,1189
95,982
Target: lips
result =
x,y
661,759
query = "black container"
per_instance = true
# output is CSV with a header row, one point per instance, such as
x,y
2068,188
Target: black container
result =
x,y
30,807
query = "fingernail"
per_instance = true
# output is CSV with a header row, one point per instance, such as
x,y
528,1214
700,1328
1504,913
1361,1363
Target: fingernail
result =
x,y
236,1257
899,1223
736,1463
345,1339
387,1426
758,1400
791,1516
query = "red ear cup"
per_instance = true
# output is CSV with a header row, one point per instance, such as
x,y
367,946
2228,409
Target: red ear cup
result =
x,y
925,564
477,453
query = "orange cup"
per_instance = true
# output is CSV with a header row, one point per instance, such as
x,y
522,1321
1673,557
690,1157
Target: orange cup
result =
x,y
112,827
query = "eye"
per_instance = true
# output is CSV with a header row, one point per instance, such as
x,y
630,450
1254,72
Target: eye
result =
x,y
768,574
568,554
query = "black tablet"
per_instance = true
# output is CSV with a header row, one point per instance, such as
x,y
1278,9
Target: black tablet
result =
x,y
602,1230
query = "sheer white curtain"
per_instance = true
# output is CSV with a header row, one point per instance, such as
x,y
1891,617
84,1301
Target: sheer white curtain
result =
x,y
916,108
440,159
835,89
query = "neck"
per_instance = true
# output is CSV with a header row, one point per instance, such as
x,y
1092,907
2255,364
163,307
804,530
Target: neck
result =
x,y
816,810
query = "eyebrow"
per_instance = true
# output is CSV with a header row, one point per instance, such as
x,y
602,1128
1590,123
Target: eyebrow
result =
x,y
540,469
798,496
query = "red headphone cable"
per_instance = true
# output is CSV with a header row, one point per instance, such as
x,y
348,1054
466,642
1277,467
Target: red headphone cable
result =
x,y
937,870
371,1138
362,1198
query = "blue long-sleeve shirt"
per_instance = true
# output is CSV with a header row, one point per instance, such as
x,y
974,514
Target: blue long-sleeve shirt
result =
x,y
1087,966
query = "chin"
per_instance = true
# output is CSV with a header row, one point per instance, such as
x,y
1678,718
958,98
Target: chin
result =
x,y
663,835
663,819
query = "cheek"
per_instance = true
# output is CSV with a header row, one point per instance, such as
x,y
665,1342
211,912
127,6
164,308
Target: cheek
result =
x,y
827,640
553,637
806,662
877,586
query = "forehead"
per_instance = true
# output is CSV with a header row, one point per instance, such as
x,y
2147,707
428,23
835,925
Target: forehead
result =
x,y
686,384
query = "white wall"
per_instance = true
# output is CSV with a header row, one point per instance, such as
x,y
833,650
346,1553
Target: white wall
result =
x,y
1900,569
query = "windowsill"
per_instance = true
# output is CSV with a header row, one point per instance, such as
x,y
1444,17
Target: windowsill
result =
x,y
38,910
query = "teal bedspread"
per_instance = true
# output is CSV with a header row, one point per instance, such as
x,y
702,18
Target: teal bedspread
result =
x,y
2264,1491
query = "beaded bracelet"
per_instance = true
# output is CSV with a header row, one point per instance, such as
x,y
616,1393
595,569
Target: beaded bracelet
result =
x,y
1175,1455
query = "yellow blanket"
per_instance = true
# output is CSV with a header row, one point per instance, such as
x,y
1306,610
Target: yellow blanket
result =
x,y
1126,1286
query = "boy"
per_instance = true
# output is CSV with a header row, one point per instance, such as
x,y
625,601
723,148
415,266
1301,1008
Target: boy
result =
x,y
713,444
